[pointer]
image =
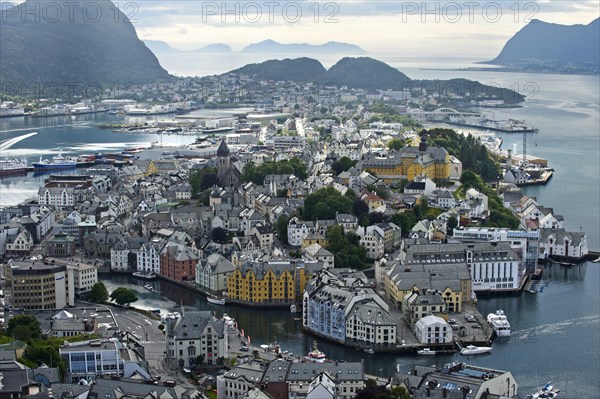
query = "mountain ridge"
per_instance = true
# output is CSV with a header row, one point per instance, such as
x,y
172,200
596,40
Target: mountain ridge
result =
x,y
548,44
360,72
74,49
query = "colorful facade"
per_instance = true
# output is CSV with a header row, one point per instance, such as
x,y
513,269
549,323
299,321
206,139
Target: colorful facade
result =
x,y
272,283
409,162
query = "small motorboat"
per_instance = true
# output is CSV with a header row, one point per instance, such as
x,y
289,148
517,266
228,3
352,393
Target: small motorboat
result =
x,y
370,350
425,351
215,301
546,392
149,287
475,350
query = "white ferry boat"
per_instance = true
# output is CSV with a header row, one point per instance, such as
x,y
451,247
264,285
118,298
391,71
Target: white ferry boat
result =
x,y
499,323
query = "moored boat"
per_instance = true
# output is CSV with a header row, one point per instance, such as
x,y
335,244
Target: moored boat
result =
x,y
370,350
145,276
475,350
499,323
58,162
315,355
12,167
426,351
215,301
149,287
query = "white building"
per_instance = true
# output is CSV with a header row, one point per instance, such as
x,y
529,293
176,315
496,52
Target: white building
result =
x,y
194,335
84,278
119,257
148,257
212,272
57,196
494,266
87,359
347,376
238,381
316,253
368,321
372,242
562,244
298,230
433,330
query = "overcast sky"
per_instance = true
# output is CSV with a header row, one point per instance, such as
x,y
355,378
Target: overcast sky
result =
x,y
469,28
432,28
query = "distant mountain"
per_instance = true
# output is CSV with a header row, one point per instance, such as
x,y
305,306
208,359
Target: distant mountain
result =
x,y
362,73
71,49
542,43
215,48
271,46
160,47
299,69
366,73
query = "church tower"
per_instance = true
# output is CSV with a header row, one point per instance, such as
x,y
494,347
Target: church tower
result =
x,y
223,160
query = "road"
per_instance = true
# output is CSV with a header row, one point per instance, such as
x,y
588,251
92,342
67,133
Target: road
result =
x,y
150,337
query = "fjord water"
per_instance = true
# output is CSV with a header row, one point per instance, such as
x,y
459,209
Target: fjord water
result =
x,y
555,333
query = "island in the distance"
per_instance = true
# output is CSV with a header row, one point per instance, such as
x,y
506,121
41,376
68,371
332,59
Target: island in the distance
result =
x,y
368,74
268,46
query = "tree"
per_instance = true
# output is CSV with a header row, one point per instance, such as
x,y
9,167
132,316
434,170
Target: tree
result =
x,y
451,224
360,208
123,295
325,203
256,174
24,328
342,165
202,180
218,234
396,144
99,293
281,226
346,248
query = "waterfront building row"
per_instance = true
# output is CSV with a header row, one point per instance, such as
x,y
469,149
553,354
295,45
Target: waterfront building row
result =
x,y
339,305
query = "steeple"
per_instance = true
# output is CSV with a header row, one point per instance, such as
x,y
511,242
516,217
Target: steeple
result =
x,y
223,150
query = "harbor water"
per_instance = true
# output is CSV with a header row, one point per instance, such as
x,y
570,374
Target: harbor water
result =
x,y
555,333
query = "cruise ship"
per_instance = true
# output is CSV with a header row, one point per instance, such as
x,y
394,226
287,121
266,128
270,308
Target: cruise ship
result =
x,y
58,162
147,110
505,126
12,167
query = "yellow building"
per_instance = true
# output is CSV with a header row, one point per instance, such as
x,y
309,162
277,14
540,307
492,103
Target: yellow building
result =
x,y
272,283
452,282
314,237
409,162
